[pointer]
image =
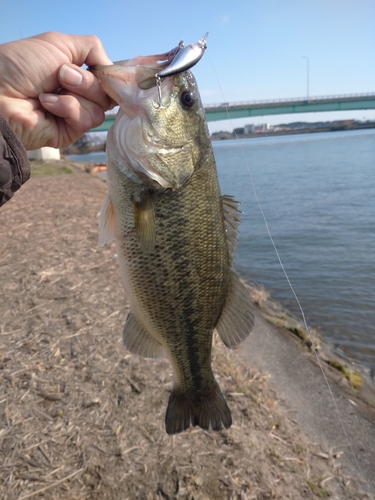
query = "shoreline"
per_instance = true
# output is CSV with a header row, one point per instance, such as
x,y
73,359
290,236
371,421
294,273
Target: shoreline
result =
x,y
352,364
278,314
74,150
307,130
354,379
97,412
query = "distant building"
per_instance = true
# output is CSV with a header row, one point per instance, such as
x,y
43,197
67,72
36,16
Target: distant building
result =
x,y
249,129
261,127
253,128
45,153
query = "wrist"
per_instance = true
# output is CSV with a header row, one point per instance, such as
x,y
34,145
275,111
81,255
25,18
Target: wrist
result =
x,y
15,166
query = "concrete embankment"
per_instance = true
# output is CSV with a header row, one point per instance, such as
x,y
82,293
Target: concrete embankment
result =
x,y
326,407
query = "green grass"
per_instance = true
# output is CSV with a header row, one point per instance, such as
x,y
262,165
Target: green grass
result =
x,y
41,169
317,490
283,323
355,380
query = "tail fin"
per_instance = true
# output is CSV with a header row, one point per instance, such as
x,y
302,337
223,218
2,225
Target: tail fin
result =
x,y
206,408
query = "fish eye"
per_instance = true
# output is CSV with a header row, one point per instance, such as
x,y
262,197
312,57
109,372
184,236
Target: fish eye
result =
x,y
187,98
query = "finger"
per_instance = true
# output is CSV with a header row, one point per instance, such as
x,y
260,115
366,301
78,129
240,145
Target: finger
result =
x,y
83,83
84,49
88,49
77,113
22,116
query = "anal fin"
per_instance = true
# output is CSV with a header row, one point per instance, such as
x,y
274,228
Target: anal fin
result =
x,y
138,341
237,318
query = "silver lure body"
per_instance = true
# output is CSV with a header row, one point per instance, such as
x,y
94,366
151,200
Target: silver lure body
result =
x,y
185,58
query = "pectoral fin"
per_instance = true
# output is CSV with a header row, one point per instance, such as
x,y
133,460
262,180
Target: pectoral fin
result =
x,y
138,341
107,223
144,221
237,318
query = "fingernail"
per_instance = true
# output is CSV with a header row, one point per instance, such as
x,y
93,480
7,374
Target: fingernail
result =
x,y
48,98
70,76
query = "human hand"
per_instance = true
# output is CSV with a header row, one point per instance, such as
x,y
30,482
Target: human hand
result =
x,y
47,99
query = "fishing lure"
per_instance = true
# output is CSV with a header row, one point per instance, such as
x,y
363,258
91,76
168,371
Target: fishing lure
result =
x,y
184,59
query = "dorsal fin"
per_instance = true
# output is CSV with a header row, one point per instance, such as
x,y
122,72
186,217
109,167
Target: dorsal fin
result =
x,y
107,223
231,222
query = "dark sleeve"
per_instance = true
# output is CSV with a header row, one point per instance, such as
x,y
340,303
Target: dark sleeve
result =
x,y
14,163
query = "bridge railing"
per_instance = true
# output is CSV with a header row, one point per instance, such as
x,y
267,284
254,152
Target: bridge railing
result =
x,y
223,105
290,99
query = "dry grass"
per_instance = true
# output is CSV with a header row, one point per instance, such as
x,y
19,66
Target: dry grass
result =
x,y
259,295
80,418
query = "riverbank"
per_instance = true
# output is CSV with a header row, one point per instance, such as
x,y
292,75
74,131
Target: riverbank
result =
x,y
284,130
83,418
76,149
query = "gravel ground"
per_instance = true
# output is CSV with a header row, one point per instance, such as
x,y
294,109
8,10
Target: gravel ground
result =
x,y
81,418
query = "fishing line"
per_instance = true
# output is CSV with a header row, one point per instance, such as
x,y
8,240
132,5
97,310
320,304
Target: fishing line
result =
x,y
288,280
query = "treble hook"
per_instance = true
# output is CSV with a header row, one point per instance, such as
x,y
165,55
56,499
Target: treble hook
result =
x,y
160,102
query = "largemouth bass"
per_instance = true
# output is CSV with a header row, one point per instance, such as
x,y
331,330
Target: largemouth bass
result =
x,y
175,235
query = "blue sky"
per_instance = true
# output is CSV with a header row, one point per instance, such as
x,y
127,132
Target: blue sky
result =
x,y
255,48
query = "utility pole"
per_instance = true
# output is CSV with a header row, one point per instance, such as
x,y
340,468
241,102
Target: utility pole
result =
x,y
307,76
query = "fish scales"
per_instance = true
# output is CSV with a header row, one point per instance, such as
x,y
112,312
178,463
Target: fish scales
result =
x,y
175,236
180,292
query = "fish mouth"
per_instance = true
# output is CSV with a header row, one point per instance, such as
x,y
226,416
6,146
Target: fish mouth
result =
x,y
151,70
141,69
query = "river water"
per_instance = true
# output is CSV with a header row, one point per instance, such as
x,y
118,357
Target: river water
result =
x,y
317,192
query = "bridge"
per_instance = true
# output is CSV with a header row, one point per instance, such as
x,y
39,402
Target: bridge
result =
x,y
226,110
